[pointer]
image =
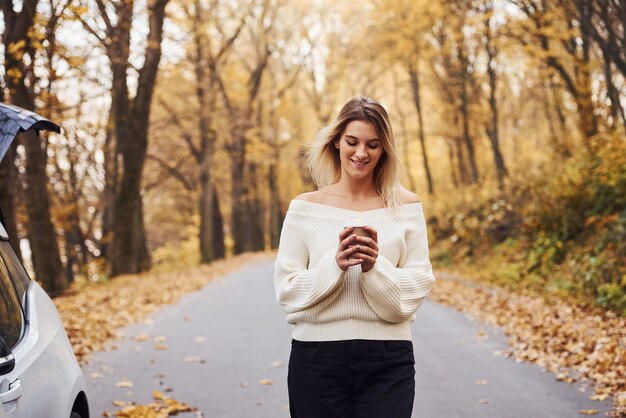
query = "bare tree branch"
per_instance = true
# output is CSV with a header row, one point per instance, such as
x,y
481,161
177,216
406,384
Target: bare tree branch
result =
x,y
172,171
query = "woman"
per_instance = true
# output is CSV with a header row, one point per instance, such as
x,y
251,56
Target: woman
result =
x,y
352,297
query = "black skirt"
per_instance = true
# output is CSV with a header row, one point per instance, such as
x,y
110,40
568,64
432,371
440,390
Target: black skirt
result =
x,y
351,379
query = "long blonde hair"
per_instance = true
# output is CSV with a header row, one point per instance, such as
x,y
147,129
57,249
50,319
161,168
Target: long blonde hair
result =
x,y
323,156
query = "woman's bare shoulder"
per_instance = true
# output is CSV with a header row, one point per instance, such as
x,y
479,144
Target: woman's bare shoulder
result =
x,y
317,196
409,197
313,197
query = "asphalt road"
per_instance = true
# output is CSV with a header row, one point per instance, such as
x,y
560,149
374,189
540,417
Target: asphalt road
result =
x,y
214,348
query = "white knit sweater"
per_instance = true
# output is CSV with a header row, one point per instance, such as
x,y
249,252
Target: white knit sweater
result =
x,y
327,304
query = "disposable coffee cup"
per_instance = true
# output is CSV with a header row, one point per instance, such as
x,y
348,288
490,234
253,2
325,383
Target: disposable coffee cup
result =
x,y
357,226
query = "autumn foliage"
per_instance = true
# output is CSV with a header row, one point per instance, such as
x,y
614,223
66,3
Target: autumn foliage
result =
x,y
186,121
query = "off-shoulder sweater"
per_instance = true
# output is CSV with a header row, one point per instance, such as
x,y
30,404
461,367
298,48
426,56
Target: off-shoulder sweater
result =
x,y
326,303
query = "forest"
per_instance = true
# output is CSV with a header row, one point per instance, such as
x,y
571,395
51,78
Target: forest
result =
x,y
186,122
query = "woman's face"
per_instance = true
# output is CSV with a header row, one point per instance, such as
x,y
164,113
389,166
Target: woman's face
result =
x,y
359,149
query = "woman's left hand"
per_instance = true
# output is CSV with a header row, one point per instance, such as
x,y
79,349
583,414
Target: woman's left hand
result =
x,y
368,249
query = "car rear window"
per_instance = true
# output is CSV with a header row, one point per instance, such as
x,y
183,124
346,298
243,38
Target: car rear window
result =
x,y
16,270
11,319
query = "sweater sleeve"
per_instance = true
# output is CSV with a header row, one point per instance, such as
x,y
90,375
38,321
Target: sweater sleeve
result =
x,y
298,285
395,293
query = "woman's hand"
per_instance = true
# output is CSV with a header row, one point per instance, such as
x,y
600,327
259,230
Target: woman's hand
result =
x,y
354,250
367,249
345,252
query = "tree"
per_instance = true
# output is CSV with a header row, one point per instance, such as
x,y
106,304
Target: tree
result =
x,y
559,34
130,122
492,127
19,59
608,24
246,212
454,71
205,63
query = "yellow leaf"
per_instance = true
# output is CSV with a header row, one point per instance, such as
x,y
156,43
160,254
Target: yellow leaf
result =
x,y
266,382
588,411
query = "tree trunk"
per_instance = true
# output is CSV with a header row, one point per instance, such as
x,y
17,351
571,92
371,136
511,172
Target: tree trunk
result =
x,y
275,212
129,249
584,99
460,160
41,233
492,128
129,252
608,52
219,250
111,176
8,193
239,219
465,117
207,253
415,85
555,137
256,237
453,176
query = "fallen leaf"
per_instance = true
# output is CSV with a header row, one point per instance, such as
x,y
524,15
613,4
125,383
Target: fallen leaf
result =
x,y
124,384
573,342
194,359
483,401
200,339
163,407
160,346
588,411
266,382
278,364
481,382
92,316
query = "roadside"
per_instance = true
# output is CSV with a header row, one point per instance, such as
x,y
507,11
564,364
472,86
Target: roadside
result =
x,y
571,343
223,352
574,344
94,314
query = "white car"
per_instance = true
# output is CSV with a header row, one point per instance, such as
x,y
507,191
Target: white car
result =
x,y
39,374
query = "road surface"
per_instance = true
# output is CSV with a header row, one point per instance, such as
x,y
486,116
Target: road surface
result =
x,y
215,348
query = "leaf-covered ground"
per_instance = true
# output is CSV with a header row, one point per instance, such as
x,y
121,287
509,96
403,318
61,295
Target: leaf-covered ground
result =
x,y
575,344
94,314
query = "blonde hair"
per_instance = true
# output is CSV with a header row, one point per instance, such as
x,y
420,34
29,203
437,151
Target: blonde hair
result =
x,y
323,156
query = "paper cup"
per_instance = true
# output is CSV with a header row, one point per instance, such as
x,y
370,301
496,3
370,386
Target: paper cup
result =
x,y
357,226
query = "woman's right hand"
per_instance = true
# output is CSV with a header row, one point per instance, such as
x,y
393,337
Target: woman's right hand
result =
x,y
347,247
